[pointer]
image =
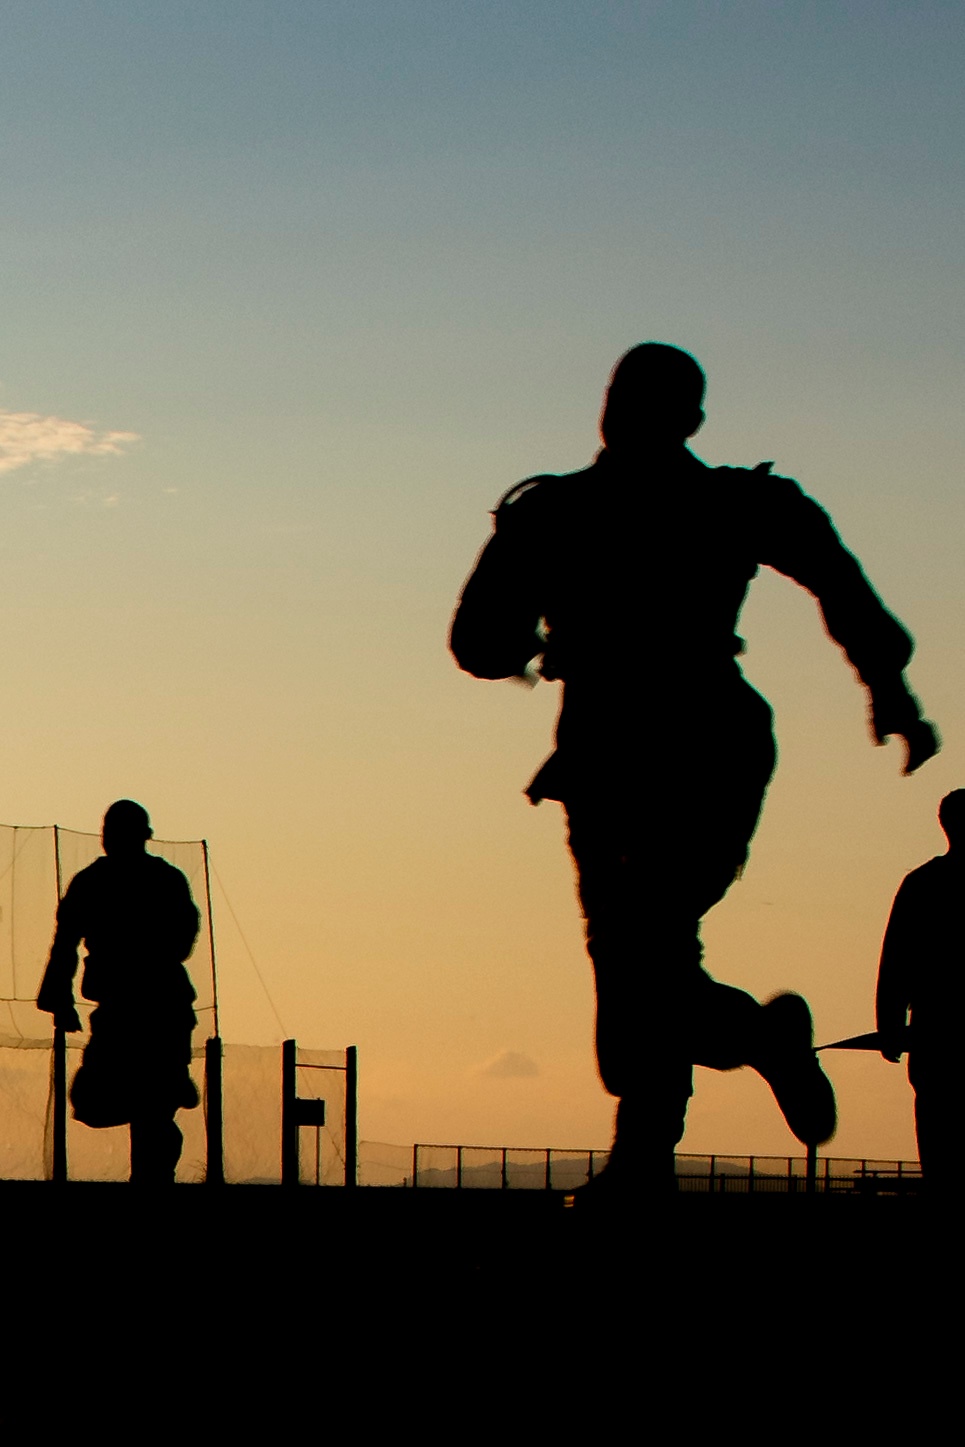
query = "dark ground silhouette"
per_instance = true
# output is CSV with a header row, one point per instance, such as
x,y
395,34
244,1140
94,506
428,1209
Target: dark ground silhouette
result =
x,y
372,1308
625,580
921,972
136,917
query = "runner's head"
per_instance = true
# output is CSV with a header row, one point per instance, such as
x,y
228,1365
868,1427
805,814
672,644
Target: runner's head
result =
x,y
951,816
126,830
654,399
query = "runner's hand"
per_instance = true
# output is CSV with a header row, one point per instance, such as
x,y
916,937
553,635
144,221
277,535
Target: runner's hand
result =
x,y
922,743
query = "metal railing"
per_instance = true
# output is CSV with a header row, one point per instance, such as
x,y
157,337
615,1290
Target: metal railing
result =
x,y
503,1168
788,1175
456,1167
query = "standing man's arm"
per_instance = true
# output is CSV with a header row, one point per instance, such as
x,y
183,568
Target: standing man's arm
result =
x,y
56,995
801,542
898,950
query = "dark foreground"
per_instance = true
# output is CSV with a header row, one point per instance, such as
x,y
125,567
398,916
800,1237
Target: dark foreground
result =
x,y
387,1307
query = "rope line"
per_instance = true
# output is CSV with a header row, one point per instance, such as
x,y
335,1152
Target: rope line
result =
x,y
254,963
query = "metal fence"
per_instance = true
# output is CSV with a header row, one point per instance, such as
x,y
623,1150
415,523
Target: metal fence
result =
x,y
502,1168
505,1168
786,1175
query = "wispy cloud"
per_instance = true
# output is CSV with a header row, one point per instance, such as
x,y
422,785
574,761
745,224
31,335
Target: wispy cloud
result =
x,y
90,498
510,1065
27,437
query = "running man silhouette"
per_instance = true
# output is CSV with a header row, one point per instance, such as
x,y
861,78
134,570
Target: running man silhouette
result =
x,y
135,914
921,972
626,581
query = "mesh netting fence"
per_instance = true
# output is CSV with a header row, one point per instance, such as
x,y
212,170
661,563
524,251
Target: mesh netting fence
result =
x,y
252,1096
253,1110
36,865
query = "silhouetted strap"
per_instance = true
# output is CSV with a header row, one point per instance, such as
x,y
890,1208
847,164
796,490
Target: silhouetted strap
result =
x,y
517,490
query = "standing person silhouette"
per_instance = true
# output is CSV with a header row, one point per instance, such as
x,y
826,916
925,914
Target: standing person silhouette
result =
x,y
135,914
626,580
921,971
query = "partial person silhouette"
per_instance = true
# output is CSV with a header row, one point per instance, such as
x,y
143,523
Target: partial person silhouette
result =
x,y
920,972
625,581
136,917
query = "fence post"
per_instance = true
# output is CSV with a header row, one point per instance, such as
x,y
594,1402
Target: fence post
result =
x,y
458,1168
60,1106
289,1123
713,1167
415,1166
59,1061
811,1168
548,1179
750,1174
504,1181
352,1116
213,1112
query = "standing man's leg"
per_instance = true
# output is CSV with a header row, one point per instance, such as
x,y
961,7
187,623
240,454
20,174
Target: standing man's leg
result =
x,y
935,1094
160,1086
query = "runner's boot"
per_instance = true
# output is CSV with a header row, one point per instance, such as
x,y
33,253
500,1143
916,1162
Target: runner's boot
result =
x,y
786,1058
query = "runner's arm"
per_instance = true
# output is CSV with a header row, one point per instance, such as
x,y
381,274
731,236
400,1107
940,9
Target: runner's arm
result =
x,y
802,543
494,631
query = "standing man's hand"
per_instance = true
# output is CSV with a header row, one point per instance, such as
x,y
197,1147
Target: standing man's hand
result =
x,y
892,1044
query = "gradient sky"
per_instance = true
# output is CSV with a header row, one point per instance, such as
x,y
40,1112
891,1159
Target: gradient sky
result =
x,y
292,293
